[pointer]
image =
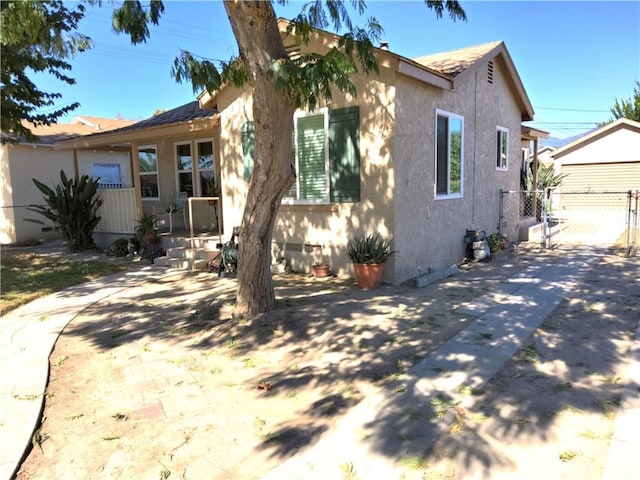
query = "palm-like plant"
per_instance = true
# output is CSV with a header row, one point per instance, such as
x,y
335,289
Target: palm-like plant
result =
x,y
73,207
547,178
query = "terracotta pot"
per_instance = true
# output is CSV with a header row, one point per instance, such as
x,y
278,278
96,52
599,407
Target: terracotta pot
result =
x,y
150,237
320,271
368,275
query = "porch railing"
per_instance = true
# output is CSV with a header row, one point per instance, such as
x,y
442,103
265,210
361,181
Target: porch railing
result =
x,y
118,210
215,201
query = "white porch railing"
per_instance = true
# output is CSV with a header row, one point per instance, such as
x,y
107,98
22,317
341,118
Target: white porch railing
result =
x,y
118,210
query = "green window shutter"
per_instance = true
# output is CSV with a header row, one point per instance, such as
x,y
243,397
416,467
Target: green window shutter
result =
x,y
311,158
293,191
248,148
344,154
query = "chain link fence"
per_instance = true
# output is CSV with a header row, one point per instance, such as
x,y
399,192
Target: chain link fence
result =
x,y
574,218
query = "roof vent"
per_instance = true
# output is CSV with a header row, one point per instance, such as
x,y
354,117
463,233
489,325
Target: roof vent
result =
x,y
490,72
384,45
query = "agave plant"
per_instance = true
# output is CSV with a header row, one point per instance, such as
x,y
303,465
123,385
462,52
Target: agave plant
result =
x,y
73,207
369,249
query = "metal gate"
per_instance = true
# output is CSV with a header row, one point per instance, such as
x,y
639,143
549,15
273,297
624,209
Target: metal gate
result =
x,y
574,218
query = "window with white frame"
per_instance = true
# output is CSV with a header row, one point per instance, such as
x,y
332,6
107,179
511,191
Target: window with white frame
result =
x,y
449,154
206,169
148,161
109,175
326,154
184,165
311,158
502,148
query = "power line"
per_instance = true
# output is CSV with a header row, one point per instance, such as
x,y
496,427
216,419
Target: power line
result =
x,y
573,110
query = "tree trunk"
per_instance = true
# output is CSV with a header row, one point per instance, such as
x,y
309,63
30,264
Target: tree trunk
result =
x,y
256,30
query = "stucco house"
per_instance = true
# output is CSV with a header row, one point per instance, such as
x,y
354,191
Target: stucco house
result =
x,y
420,155
22,161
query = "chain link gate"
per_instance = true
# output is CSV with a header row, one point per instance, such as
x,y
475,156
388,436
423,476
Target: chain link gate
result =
x,y
633,227
573,218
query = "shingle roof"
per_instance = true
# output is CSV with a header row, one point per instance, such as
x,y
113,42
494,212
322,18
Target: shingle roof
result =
x,y
183,113
100,122
455,62
49,134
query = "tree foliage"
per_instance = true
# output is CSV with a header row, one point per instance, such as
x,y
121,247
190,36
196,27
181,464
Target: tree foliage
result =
x,y
280,83
629,108
36,36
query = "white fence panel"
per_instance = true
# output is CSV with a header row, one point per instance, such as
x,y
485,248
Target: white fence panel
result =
x,y
118,210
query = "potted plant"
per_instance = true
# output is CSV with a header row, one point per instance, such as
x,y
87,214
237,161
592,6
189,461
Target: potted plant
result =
x,y
146,228
320,270
497,242
368,254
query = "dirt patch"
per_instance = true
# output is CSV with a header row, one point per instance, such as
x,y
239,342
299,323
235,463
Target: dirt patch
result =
x,y
157,382
550,411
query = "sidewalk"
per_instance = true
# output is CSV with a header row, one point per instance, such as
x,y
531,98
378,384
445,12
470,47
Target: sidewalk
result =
x,y
364,439
28,336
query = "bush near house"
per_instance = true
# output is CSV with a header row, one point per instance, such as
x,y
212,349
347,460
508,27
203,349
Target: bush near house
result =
x,y
73,208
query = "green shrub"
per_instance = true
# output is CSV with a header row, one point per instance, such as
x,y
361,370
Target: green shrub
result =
x,y
369,249
73,208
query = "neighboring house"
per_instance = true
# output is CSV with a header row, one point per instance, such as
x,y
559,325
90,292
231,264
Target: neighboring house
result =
x,y
419,155
21,162
604,160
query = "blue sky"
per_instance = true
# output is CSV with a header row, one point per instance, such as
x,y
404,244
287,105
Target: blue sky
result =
x,y
574,58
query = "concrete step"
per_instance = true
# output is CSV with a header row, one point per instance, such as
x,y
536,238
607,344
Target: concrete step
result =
x,y
207,243
185,262
179,264
186,252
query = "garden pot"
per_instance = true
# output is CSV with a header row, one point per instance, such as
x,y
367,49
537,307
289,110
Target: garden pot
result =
x,y
368,275
320,271
150,237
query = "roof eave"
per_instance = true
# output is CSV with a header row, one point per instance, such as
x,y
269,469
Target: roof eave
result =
x,y
596,134
501,49
531,133
122,138
414,70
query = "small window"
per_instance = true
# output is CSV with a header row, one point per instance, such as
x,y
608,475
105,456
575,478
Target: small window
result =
x,y
502,148
184,163
148,160
108,174
206,169
449,154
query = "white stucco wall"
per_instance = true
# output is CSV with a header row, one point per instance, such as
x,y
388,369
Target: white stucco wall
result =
x,y
25,163
20,165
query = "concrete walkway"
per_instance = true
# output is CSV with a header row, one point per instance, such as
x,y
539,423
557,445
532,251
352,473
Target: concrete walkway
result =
x,y
510,314
27,338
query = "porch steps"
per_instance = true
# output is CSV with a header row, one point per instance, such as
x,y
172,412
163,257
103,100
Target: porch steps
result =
x,y
180,256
